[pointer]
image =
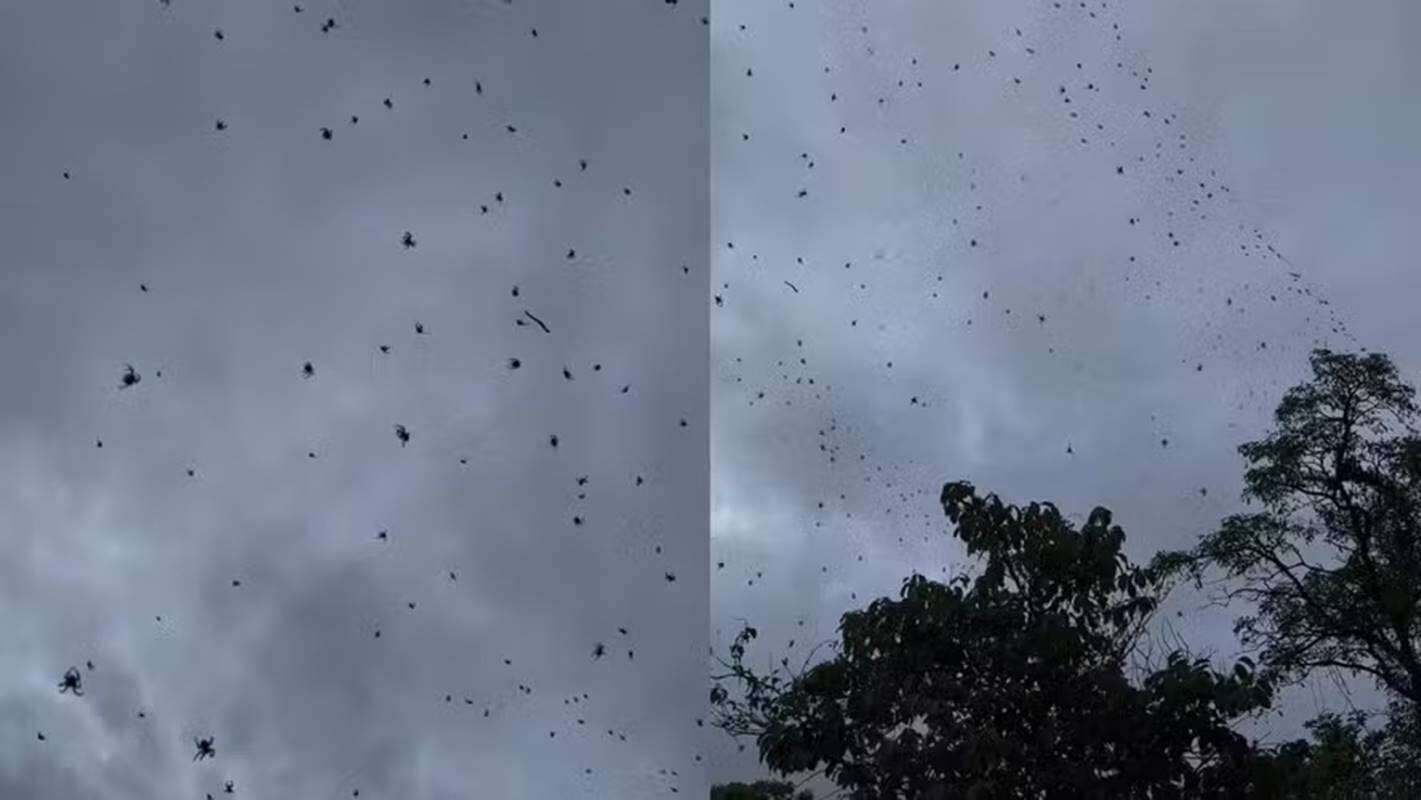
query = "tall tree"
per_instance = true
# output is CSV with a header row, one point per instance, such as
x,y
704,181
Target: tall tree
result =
x,y
1009,684
1331,564
1347,760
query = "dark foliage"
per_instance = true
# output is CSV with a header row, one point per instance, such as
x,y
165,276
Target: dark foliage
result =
x,y
1008,684
1332,562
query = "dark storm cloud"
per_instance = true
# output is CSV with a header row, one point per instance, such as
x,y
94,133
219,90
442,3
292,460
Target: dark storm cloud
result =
x,y
266,245
1301,112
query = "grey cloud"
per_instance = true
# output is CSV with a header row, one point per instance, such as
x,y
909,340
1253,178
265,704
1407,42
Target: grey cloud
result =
x,y
1301,112
264,246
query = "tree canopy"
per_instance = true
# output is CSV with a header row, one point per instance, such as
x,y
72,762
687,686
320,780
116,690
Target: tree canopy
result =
x,y
1347,760
1331,564
1026,678
1010,683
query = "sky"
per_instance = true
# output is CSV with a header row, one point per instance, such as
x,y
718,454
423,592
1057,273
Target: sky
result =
x,y
243,600
929,270
835,253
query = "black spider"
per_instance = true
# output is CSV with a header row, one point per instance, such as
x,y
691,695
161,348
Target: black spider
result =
x,y
73,682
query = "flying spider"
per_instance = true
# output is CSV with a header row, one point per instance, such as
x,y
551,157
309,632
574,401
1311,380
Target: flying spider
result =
x,y
130,377
72,682
204,749
402,434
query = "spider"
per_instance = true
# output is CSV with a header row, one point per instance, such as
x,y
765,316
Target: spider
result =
x,y
402,434
130,376
72,682
204,749
599,651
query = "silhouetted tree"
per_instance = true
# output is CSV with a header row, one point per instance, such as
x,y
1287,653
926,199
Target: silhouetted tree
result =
x,y
1331,564
1400,752
1009,684
1346,760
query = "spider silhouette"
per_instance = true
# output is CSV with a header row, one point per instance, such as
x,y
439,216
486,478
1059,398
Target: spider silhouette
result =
x,y
130,377
72,682
403,434
204,749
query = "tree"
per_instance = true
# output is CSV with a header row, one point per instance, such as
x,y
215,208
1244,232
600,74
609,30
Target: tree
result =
x,y
1400,752
1346,760
1342,761
1332,562
1009,684
759,790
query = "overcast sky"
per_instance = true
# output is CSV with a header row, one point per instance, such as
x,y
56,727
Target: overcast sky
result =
x,y
264,246
1288,125
874,252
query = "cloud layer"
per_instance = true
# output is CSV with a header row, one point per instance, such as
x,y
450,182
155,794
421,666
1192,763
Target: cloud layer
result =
x,y
243,601
1043,247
